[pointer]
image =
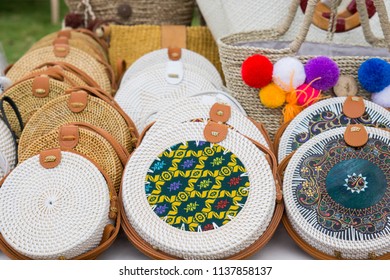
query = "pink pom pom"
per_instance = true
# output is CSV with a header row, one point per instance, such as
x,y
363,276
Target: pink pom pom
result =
x,y
307,95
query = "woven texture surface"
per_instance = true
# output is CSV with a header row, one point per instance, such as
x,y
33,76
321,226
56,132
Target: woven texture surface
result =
x,y
91,144
56,113
144,39
357,224
4,166
323,116
7,145
227,240
191,61
198,107
53,213
149,92
177,12
76,57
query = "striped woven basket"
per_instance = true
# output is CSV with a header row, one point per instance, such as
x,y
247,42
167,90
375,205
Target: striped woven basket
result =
x,y
93,142
67,212
132,12
336,193
81,104
188,162
234,49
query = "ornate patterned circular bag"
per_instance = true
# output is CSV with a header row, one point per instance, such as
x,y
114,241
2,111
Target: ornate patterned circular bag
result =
x,y
65,208
88,140
197,108
200,191
160,59
337,194
81,104
325,115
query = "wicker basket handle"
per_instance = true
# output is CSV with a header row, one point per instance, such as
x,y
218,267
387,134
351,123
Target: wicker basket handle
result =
x,y
310,11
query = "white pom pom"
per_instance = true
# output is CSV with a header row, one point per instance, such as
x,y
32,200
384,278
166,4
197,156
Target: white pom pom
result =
x,y
382,98
4,83
286,69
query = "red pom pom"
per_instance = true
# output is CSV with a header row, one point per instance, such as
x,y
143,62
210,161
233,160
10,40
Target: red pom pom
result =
x,y
257,71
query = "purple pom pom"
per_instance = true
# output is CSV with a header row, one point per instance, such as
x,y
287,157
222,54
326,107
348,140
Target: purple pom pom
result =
x,y
326,69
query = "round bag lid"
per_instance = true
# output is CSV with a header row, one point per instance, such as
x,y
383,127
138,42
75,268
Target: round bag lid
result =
x,y
324,115
192,199
159,59
4,166
7,144
59,212
337,197
198,108
150,92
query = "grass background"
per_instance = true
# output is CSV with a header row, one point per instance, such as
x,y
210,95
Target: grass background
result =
x,y
23,22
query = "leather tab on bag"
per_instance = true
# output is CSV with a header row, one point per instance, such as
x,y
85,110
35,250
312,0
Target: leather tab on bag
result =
x,y
61,40
77,101
61,50
50,158
41,86
220,112
354,107
174,53
68,136
215,132
64,33
356,135
173,36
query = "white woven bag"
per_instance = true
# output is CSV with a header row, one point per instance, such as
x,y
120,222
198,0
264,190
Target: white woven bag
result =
x,y
225,17
152,90
198,108
185,197
4,166
326,115
337,195
160,59
50,211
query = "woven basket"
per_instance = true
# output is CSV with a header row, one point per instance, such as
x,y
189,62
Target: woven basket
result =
x,y
87,140
135,11
4,165
144,39
94,108
161,166
99,71
198,108
236,48
65,213
150,91
160,59
37,89
328,214
82,39
322,116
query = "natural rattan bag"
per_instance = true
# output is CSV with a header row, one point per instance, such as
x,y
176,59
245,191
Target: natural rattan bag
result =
x,y
336,194
99,70
68,211
40,87
200,191
81,104
88,140
234,49
132,42
135,11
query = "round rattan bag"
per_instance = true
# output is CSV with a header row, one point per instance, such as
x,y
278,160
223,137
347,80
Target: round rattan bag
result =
x,y
88,140
160,58
63,210
198,109
154,89
81,104
185,196
99,70
325,115
337,194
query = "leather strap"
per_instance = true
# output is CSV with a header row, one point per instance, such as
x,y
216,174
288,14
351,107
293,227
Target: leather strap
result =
x,y
9,66
120,70
173,36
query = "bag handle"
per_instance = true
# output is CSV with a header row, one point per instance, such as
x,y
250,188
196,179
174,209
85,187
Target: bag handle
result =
x,y
310,11
5,119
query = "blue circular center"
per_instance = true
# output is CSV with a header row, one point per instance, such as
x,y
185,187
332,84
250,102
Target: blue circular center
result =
x,y
356,183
